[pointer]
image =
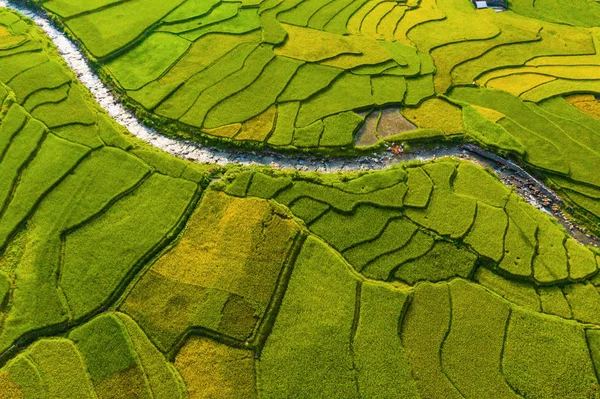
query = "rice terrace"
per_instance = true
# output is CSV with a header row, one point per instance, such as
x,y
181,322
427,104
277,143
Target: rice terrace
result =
x,y
300,199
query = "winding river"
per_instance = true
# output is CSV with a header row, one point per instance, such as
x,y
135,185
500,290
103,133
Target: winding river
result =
x,y
531,189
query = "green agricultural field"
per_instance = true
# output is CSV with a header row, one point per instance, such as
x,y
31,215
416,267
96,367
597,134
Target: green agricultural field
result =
x,y
126,272
302,74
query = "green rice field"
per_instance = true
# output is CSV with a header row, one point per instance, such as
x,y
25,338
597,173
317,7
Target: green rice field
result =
x,y
127,272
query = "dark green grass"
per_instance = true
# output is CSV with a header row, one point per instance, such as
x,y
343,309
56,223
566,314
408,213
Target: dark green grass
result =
x,y
397,233
117,240
420,187
55,158
584,301
308,80
423,330
381,365
68,8
382,267
21,150
546,357
343,231
447,214
486,237
488,132
23,372
347,92
176,105
442,262
109,356
308,351
554,302
308,136
164,381
47,75
418,89
46,96
517,292
476,182
37,300
237,81
165,308
257,97
476,333
147,61
339,129
265,186
308,209
284,126
73,109
62,369
13,65
110,29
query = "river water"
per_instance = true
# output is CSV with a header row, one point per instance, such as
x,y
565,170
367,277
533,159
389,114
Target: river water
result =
x,y
529,188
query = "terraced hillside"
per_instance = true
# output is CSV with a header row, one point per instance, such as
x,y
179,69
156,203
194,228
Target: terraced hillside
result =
x,y
128,273
336,75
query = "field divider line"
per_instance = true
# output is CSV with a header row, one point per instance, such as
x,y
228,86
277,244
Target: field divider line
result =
x,y
192,151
